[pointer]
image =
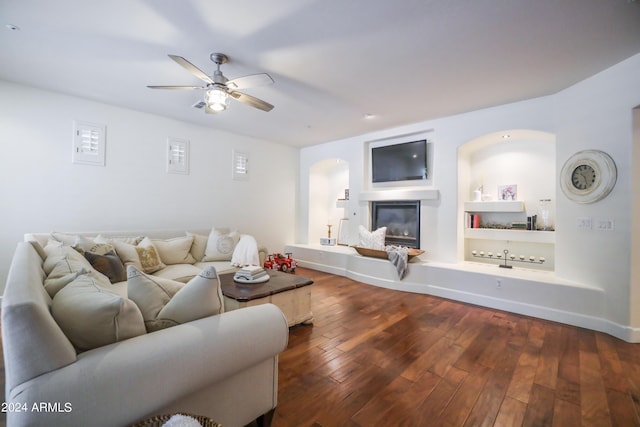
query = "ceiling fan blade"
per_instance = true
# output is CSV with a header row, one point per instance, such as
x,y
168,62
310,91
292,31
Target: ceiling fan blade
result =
x,y
191,68
176,87
252,101
252,80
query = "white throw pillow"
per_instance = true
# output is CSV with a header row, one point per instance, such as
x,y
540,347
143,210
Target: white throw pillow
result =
x,y
372,239
176,250
92,316
221,244
165,303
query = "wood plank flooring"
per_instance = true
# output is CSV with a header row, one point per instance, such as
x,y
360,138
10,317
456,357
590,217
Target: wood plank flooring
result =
x,y
377,357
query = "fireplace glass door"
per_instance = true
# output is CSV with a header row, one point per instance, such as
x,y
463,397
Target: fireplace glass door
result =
x,y
402,219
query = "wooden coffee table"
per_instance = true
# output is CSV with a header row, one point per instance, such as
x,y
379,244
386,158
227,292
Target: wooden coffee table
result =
x,y
291,293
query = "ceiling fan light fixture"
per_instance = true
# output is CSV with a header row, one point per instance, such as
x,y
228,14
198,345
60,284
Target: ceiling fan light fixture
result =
x,y
217,99
219,89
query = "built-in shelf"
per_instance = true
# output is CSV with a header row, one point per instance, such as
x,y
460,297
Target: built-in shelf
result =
x,y
510,235
341,203
406,194
495,206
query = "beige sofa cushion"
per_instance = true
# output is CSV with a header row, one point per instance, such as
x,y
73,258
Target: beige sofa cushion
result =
x,y
56,282
39,249
132,240
165,303
220,266
64,265
144,256
199,245
176,250
85,244
92,316
150,293
220,244
56,252
179,272
65,239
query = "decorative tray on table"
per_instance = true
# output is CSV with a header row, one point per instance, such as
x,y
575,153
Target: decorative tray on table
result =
x,y
376,253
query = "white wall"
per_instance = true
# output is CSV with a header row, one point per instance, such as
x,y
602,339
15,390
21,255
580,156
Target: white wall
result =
x,y
595,113
41,190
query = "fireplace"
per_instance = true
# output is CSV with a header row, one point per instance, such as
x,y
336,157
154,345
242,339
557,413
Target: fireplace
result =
x,y
402,219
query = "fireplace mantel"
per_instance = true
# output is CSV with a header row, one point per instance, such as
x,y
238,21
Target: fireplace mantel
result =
x,y
407,194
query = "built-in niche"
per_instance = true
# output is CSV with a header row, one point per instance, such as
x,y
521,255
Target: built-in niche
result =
x,y
488,224
419,169
328,180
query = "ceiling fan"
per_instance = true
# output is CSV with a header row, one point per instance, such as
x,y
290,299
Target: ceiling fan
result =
x,y
219,89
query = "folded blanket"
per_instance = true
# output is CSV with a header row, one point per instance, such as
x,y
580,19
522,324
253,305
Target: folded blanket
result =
x,y
246,252
399,257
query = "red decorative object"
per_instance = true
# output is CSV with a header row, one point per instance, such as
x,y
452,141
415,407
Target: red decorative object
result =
x,y
280,262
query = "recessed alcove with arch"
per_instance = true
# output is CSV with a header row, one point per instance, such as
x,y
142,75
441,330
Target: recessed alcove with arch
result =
x,y
328,179
525,159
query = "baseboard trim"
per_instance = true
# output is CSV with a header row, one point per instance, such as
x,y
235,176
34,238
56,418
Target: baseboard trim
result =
x,y
623,332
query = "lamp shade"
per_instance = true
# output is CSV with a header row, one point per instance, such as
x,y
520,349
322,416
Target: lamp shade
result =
x,y
217,99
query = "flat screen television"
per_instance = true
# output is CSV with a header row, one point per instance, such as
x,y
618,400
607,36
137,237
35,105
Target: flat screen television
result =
x,y
399,162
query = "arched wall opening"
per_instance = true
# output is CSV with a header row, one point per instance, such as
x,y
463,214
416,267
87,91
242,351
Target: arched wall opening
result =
x,y
502,179
328,180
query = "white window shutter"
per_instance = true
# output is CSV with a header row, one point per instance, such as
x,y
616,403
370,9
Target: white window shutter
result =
x,y
177,156
240,165
88,143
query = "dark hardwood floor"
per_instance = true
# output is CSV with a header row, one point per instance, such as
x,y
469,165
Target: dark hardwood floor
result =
x,y
377,357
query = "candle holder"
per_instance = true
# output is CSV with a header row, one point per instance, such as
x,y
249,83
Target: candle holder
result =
x,y
545,211
507,257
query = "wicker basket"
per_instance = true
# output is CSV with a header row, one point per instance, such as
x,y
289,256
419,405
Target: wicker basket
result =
x,y
375,253
159,420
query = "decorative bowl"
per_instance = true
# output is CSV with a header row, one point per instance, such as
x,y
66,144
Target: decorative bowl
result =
x,y
376,253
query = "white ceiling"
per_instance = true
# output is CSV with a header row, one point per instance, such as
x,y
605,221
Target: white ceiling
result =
x,y
333,61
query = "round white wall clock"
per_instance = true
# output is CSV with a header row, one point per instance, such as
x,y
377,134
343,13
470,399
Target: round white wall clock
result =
x,y
588,176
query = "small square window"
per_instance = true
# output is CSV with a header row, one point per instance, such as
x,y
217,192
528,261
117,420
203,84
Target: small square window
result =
x,y
88,143
240,165
177,156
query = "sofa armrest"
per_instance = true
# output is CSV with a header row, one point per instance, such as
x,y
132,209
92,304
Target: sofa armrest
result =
x,y
156,368
33,343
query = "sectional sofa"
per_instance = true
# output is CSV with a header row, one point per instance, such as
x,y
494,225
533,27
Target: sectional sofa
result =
x,y
171,350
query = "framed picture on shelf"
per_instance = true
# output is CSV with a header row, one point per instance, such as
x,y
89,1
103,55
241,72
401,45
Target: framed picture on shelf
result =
x,y
508,192
343,232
